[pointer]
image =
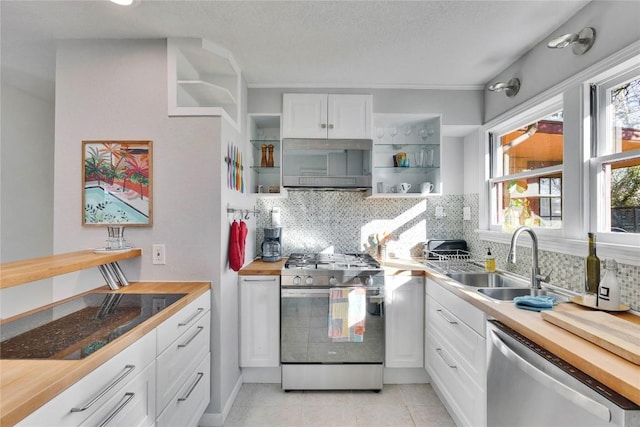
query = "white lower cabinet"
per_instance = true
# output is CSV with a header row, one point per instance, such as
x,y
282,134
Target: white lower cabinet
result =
x,y
183,364
456,355
133,406
188,404
404,321
181,358
91,397
259,321
165,373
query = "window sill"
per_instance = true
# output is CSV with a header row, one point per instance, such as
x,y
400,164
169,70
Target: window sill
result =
x,y
623,253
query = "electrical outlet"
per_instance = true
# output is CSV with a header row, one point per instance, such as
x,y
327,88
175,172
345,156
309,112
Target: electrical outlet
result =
x,y
158,254
466,213
157,304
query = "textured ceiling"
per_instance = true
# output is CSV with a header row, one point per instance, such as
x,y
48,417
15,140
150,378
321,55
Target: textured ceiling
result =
x,y
425,44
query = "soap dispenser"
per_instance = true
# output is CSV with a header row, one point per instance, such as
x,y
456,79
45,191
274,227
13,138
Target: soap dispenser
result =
x,y
489,262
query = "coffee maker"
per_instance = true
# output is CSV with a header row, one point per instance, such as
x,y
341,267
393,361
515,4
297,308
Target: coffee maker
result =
x,y
272,244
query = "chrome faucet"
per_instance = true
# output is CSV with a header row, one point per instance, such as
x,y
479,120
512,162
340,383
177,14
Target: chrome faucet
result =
x,y
536,277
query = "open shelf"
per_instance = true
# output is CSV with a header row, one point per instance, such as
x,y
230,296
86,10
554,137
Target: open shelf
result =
x,y
19,272
203,80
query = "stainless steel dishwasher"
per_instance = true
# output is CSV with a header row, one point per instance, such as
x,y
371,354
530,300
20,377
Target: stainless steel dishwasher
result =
x,y
528,386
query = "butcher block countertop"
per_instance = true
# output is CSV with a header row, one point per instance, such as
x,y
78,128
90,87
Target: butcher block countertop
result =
x,y
260,268
25,385
606,367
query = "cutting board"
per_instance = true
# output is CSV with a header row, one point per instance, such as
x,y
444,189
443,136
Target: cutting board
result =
x,y
603,329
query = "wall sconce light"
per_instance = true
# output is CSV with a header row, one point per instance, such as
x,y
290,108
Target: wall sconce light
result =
x,y
580,43
510,88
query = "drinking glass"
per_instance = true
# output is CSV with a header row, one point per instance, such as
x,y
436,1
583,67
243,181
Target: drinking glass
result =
x,y
393,132
407,132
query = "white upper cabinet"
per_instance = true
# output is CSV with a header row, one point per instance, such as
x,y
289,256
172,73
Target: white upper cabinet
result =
x,y
203,80
332,116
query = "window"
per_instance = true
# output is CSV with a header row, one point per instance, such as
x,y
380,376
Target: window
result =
x,y
527,167
616,159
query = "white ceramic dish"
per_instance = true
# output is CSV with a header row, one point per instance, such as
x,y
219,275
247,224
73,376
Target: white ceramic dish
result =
x,y
578,300
112,251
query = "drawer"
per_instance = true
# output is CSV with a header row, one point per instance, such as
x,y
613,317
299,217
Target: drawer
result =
x,y
464,311
95,389
467,344
177,324
132,406
187,406
181,358
461,393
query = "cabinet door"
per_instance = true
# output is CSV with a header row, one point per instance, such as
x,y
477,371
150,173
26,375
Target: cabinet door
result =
x,y
304,115
84,398
349,116
404,323
134,405
259,321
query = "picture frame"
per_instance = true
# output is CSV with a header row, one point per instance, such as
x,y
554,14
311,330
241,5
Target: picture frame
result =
x,y
117,183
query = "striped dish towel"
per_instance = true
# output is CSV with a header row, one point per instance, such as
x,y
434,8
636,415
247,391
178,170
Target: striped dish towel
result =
x,y
347,311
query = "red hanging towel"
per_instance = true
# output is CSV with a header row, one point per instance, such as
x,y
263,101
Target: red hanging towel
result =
x,y
235,255
243,239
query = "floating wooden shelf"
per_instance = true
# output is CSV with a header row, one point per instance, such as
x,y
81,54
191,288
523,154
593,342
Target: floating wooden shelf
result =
x,y
20,272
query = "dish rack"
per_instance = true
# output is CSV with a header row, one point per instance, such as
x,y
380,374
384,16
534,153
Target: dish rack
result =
x,y
452,261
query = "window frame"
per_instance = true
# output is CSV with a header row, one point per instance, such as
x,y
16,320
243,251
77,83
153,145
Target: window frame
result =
x,y
533,114
580,170
602,152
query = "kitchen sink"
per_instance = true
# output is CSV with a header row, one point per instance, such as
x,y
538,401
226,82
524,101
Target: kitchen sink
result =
x,y
508,294
504,294
487,280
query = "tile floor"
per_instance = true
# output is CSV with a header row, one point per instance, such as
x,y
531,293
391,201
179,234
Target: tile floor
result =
x,y
406,405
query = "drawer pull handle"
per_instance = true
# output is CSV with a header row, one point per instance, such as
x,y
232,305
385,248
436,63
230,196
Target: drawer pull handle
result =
x,y
453,322
193,316
259,280
182,399
441,353
188,341
127,398
127,370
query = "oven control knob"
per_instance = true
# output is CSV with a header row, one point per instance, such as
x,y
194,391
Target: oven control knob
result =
x,y
369,281
357,281
309,280
333,280
297,280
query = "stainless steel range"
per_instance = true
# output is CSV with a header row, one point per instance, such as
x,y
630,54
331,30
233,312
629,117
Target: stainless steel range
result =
x,y
332,322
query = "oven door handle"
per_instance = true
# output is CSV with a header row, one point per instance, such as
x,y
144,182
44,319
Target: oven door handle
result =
x,y
303,293
588,404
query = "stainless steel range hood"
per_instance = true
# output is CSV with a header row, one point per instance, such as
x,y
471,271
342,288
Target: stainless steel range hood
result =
x,y
326,164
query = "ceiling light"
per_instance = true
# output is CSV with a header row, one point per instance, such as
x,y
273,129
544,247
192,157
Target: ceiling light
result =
x,y
580,43
123,2
510,88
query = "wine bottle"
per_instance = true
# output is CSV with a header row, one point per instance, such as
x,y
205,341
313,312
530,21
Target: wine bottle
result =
x,y
592,267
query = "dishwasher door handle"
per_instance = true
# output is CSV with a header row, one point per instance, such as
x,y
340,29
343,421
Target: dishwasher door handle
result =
x,y
585,402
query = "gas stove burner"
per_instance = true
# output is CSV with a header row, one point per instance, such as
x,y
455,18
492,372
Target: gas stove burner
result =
x,y
323,261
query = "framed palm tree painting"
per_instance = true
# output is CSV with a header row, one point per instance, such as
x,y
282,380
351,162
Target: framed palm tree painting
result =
x,y
116,183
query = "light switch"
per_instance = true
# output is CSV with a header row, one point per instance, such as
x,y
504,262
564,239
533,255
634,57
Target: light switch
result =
x,y
439,212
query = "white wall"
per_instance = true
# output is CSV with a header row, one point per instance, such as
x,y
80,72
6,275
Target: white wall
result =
x,y
118,90
452,169
26,191
617,26
473,163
